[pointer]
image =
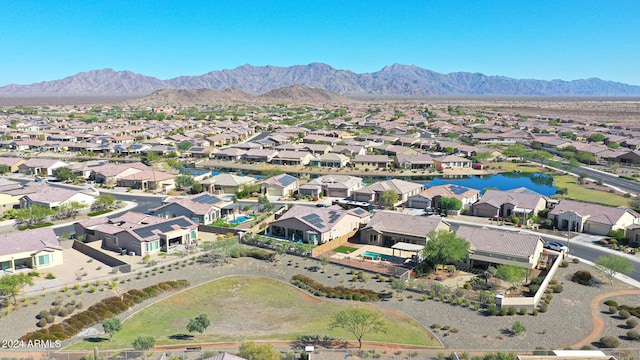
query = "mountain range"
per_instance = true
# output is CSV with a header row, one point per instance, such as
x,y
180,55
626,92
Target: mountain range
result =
x,y
394,80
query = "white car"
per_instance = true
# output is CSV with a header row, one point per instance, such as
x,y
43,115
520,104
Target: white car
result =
x,y
556,246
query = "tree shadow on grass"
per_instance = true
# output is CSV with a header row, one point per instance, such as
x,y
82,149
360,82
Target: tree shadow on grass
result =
x,y
95,339
181,337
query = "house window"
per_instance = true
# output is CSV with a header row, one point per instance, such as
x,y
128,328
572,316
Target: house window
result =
x,y
115,241
43,259
154,245
373,238
193,234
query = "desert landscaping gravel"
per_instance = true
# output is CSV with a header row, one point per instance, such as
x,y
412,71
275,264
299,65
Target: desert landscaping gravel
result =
x,y
567,321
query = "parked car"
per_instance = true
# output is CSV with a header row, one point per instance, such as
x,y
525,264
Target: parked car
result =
x,y
556,246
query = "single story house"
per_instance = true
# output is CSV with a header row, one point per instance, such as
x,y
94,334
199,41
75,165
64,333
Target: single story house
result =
x,y
452,161
139,234
226,183
491,247
429,199
372,193
389,228
292,158
53,197
202,208
417,161
332,186
591,218
315,225
35,249
330,160
280,185
12,162
496,203
372,161
37,166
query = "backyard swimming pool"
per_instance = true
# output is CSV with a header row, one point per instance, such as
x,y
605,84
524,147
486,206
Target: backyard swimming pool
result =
x,y
377,256
240,219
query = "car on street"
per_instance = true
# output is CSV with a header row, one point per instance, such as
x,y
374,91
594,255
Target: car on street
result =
x,y
556,246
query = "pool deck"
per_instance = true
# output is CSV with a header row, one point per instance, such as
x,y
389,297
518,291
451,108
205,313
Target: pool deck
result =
x,y
366,248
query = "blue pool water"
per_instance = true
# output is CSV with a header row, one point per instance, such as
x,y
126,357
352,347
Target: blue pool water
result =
x,y
540,183
377,256
239,220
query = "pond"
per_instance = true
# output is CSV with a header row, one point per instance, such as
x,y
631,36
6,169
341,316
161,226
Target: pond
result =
x,y
540,183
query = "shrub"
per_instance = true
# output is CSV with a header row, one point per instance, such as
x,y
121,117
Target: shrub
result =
x,y
523,311
609,342
633,335
50,276
575,260
493,310
42,323
582,277
612,303
543,307
511,310
631,323
558,288
564,263
613,310
534,312
624,314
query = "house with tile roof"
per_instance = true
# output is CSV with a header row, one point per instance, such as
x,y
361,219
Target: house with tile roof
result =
x,y
490,247
202,208
429,199
315,225
332,186
54,197
109,174
139,234
389,228
226,183
591,218
36,166
496,203
34,249
372,193
280,185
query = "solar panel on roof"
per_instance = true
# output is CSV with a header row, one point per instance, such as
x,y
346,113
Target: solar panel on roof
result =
x,y
206,199
287,180
458,190
147,231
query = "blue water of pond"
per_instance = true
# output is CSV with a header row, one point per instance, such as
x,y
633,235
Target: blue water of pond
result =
x,y
540,183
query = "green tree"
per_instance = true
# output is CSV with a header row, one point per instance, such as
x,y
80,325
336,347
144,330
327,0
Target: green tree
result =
x,y
251,350
185,145
443,247
596,137
196,188
481,157
184,181
517,151
144,343
612,265
450,203
112,326
4,169
513,274
199,324
359,322
174,164
32,215
389,198
563,191
150,157
542,156
63,173
634,203
103,202
69,209
11,285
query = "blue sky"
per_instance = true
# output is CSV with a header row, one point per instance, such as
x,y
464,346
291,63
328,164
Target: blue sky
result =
x,y
48,40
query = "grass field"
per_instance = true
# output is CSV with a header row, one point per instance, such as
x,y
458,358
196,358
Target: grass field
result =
x,y
247,308
344,249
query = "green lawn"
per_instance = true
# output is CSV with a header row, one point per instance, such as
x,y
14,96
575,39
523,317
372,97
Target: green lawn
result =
x,y
576,191
344,249
580,193
248,308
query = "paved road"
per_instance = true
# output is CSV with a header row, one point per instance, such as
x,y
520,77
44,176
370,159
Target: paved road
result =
x,y
629,186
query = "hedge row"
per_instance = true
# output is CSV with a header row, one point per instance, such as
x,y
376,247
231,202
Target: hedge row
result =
x,y
337,292
101,311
